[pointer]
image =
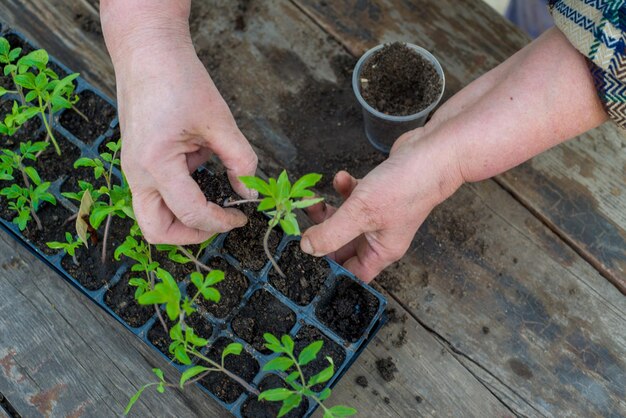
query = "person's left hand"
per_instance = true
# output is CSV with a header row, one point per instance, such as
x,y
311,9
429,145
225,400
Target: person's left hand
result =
x,y
382,212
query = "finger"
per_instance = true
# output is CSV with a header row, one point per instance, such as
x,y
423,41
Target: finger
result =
x,y
334,232
183,197
239,159
197,158
366,264
344,184
319,212
159,225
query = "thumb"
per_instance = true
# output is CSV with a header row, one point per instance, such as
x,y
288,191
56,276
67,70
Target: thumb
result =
x,y
239,158
335,232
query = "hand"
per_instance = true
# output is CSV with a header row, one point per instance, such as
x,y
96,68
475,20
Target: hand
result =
x,y
382,212
172,118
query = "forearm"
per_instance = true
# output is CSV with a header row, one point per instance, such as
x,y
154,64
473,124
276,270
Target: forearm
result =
x,y
131,26
540,97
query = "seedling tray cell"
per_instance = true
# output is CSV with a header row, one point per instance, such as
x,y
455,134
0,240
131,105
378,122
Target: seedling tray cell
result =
x,y
304,316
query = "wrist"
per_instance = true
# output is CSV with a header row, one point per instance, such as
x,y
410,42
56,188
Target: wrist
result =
x,y
140,29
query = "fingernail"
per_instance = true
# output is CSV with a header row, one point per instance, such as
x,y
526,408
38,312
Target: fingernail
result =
x,y
305,245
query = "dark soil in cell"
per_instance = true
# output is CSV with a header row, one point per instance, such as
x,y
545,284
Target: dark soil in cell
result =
x,y
162,340
113,137
231,289
216,187
121,298
99,113
17,42
82,174
246,243
90,271
263,313
399,81
254,408
52,219
243,365
348,309
304,274
51,165
308,334
27,132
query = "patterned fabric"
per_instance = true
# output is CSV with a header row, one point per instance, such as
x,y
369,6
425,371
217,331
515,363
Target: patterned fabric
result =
x,y
597,28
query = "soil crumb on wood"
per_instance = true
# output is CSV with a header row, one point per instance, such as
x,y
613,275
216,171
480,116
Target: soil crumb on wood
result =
x,y
387,368
396,80
222,386
362,381
348,309
254,408
304,274
263,313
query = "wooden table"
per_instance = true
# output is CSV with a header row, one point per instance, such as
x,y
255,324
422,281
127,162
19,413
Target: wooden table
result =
x,y
508,302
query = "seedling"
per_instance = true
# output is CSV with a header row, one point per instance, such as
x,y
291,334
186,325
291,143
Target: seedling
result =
x,y
119,202
281,198
300,386
25,200
70,246
42,93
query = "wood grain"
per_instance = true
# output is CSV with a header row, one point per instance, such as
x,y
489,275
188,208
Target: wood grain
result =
x,y
532,323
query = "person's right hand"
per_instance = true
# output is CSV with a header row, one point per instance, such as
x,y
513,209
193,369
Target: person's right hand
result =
x,y
172,118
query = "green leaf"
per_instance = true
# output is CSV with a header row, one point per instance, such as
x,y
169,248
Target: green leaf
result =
x,y
299,188
38,58
273,395
305,203
323,376
340,411
289,404
279,363
324,394
266,204
211,294
3,91
292,377
273,343
25,80
309,353
135,398
197,279
159,374
290,225
232,348
287,343
99,214
84,162
214,277
256,183
5,47
181,355
32,174
284,187
56,245
30,96
191,373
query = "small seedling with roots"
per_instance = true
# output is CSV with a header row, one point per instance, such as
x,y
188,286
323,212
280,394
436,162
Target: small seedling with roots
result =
x,y
299,385
281,198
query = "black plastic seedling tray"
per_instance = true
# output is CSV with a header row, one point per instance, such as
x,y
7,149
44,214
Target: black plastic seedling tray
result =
x,y
258,280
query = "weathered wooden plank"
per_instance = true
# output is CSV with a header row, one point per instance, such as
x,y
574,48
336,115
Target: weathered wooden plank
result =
x,y
578,189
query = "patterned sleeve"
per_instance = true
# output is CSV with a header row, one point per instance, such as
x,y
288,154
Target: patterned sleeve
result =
x,y
597,28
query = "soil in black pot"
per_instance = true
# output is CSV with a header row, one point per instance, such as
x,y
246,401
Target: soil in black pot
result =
x,y
113,137
99,113
306,336
216,187
263,313
83,174
243,365
27,132
304,274
178,271
52,218
246,243
231,289
348,309
162,340
121,298
90,272
51,165
14,42
253,408
399,81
